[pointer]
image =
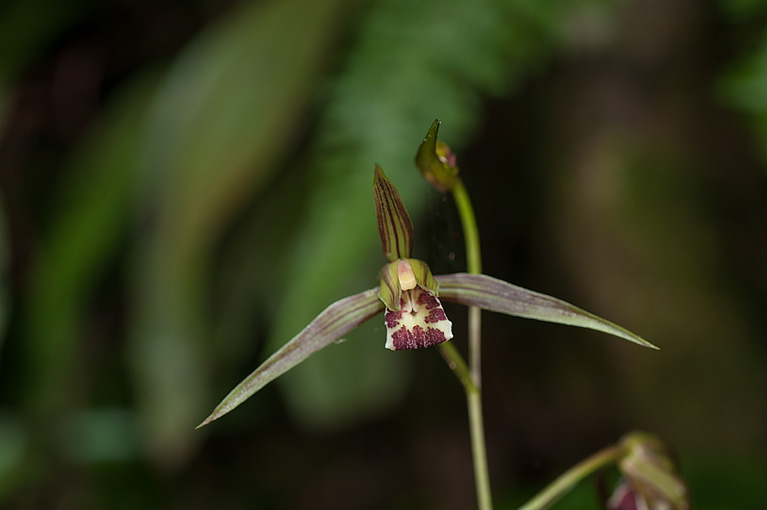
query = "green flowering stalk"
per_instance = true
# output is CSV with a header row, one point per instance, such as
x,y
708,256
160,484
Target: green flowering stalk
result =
x,y
439,165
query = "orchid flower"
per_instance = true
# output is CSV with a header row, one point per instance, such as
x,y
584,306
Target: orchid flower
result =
x,y
414,316
409,295
649,477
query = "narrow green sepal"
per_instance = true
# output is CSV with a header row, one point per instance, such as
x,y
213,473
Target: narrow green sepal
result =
x,y
394,225
436,161
331,324
496,295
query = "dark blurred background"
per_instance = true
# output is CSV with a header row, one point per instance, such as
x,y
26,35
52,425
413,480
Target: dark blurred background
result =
x,y
184,184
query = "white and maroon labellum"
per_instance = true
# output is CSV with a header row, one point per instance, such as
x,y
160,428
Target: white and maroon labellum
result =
x,y
421,322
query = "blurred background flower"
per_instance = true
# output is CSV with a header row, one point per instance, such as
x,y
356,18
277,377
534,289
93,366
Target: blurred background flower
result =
x,y
155,157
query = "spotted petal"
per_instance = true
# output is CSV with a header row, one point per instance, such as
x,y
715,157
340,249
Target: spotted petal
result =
x,y
334,322
420,322
498,296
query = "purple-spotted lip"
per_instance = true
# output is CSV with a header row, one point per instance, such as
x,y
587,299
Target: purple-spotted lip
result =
x,y
626,497
421,322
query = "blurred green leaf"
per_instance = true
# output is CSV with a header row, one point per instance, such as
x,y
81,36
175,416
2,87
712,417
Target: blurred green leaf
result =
x,y
93,212
743,10
14,441
722,481
26,25
745,88
226,113
411,62
244,290
4,297
98,436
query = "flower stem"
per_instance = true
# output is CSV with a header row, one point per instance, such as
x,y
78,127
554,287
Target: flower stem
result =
x,y
457,364
477,430
569,478
469,225
474,395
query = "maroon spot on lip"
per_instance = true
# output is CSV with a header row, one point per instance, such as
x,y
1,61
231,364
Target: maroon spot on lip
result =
x,y
428,300
416,339
392,318
435,315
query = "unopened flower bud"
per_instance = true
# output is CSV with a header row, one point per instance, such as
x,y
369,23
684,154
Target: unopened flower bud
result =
x,y
436,161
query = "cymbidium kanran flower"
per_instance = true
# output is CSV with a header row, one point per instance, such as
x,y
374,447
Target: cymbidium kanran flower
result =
x,y
409,295
414,317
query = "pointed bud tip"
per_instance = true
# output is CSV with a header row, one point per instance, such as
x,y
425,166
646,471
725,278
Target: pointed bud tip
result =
x,y
433,129
436,161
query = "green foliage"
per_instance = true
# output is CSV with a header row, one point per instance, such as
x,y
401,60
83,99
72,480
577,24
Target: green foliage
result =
x,y
744,10
4,298
744,86
82,242
25,27
222,118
